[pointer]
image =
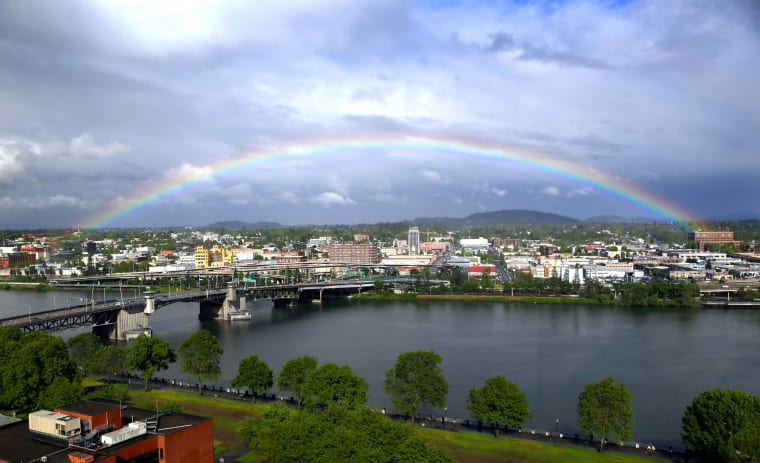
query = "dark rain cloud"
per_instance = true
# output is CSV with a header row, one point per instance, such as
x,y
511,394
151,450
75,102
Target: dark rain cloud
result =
x,y
104,101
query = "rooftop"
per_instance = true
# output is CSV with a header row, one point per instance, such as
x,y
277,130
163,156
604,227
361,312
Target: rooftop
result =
x,y
168,422
18,443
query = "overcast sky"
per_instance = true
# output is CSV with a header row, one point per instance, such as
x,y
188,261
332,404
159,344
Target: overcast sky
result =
x,y
102,100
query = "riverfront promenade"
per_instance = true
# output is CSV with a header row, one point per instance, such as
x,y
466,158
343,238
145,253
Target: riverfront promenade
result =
x,y
430,421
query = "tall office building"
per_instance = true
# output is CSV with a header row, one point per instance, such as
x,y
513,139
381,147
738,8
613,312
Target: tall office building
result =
x,y
414,241
353,253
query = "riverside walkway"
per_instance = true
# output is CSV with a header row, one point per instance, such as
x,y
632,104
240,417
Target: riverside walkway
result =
x,y
430,421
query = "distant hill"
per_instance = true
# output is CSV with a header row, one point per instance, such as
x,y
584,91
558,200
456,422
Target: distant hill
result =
x,y
236,224
735,217
601,219
503,217
519,217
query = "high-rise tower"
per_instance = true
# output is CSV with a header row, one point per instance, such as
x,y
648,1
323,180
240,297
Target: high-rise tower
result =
x,y
414,241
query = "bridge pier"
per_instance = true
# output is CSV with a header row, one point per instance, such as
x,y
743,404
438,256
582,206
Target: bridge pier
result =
x,y
132,318
225,310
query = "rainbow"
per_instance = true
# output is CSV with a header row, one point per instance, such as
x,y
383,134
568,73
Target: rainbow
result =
x,y
538,162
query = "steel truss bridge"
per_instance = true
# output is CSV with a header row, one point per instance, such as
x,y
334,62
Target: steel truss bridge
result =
x,y
104,316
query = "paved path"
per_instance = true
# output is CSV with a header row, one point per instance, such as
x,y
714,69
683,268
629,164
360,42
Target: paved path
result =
x,y
429,421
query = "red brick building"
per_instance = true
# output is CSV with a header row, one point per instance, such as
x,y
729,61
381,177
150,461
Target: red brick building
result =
x,y
352,253
720,237
108,432
42,252
17,260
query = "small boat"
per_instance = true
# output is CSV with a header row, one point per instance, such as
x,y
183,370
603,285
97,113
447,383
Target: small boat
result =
x,y
241,315
131,335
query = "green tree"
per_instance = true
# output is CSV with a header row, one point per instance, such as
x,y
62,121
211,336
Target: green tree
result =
x,y
333,385
604,409
83,349
294,373
200,355
416,381
61,392
147,355
499,401
254,374
9,344
118,392
715,416
486,282
30,366
334,435
110,360
744,446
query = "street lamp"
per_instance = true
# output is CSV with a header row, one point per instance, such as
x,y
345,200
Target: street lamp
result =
x,y
556,425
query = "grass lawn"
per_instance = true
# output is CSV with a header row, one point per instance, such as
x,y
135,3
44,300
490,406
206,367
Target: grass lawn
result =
x,y
90,382
465,447
227,415
469,447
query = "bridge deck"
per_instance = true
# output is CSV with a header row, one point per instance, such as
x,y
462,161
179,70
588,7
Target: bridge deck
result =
x,y
105,312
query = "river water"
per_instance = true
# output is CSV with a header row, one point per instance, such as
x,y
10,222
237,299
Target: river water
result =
x,y
664,356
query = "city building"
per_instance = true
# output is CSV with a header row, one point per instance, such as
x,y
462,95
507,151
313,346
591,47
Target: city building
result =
x,y
353,253
437,248
711,237
408,261
413,241
289,258
319,242
104,431
574,275
17,260
186,260
39,250
478,270
201,257
473,245
89,247
217,256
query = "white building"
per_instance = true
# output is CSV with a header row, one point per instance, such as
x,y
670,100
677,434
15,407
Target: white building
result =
x,y
413,241
408,261
573,275
169,268
187,260
246,255
319,242
474,245
389,251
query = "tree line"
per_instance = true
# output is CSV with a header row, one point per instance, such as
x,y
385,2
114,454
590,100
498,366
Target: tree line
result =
x,y
653,294
38,370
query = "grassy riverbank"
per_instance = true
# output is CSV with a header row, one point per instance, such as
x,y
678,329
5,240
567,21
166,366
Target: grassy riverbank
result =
x,y
465,447
24,286
495,298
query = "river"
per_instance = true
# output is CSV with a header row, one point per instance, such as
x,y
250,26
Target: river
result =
x,y
664,356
